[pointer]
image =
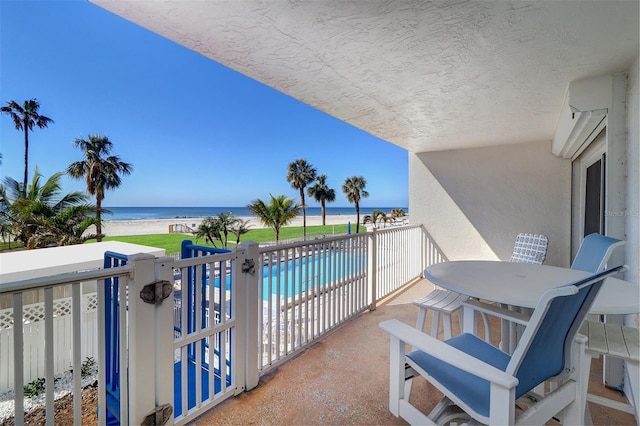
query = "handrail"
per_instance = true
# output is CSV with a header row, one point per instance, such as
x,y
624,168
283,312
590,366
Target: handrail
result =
x,y
114,255
189,248
70,278
309,241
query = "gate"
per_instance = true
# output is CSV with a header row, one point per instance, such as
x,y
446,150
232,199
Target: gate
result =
x,y
208,363
113,338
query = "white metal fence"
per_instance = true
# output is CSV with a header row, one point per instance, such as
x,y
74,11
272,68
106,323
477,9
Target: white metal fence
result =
x,y
398,254
306,289
268,303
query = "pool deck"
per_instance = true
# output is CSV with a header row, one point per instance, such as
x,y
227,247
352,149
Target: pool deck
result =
x,y
343,379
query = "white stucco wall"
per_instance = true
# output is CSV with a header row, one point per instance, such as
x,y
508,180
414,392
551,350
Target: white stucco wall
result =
x,y
473,202
633,174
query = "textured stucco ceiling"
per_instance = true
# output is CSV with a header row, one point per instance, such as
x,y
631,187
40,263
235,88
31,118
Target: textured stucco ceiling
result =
x,y
423,75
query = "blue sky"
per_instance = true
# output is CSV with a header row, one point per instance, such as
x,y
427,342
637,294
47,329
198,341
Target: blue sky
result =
x,y
197,133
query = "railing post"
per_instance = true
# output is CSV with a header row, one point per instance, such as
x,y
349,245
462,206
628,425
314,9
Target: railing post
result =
x,y
251,294
423,256
149,326
18,358
372,271
164,339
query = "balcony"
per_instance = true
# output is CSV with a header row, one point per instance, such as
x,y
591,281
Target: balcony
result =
x,y
280,356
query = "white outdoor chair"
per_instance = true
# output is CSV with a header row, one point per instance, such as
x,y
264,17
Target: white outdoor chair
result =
x,y
620,342
593,255
481,382
594,252
529,248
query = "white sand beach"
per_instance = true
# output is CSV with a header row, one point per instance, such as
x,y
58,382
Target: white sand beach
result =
x,y
161,226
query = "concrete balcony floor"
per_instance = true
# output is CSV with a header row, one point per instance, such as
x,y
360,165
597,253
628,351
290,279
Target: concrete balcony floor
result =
x,y
343,379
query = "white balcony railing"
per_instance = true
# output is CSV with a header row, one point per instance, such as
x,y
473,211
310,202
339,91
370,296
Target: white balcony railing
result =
x,y
268,303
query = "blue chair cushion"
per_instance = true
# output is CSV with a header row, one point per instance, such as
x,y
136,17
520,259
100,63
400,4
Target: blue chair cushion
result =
x,y
473,390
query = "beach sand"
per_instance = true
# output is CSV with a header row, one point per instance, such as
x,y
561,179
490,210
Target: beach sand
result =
x,y
115,228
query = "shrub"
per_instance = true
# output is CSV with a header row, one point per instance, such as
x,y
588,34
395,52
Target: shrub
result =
x,y
34,388
88,367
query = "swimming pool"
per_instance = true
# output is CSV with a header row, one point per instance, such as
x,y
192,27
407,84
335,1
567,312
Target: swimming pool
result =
x,y
289,278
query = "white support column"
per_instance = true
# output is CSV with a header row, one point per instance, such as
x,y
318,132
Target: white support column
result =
x,y
141,341
249,324
615,201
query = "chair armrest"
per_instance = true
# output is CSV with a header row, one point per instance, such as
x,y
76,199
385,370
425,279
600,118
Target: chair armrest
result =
x,y
448,354
498,311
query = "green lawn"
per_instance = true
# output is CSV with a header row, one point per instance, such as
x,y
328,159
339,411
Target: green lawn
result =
x,y
10,246
172,242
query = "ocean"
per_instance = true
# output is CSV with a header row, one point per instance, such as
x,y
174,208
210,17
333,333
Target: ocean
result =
x,y
142,213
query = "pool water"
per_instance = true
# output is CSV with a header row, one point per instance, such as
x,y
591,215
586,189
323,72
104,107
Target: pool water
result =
x,y
296,277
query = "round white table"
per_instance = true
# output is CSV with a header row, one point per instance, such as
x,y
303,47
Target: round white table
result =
x,y
522,284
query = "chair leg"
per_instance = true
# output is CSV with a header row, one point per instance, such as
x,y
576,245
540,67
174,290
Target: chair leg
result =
x,y
575,412
446,325
435,324
487,330
422,319
502,402
633,374
407,388
469,322
409,374
396,374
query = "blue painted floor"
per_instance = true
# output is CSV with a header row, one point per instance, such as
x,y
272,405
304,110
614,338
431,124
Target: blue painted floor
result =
x,y
191,385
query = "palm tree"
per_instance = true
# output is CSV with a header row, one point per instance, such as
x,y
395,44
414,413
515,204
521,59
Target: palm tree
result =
x,y
353,188
300,174
240,227
209,229
218,228
381,217
226,221
69,226
322,193
100,170
378,216
278,212
7,221
5,231
397,214
24,117
43,216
